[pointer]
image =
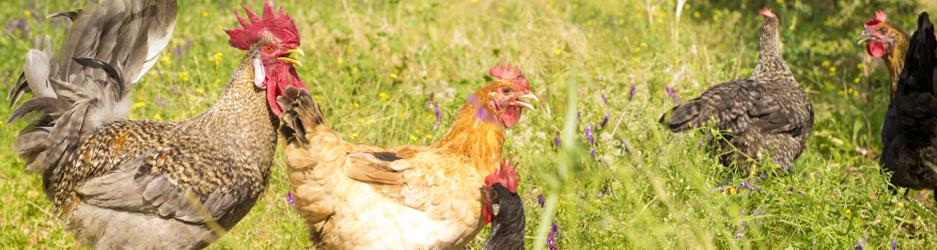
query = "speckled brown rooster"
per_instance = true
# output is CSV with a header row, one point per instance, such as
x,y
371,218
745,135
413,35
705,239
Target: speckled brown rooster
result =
x,y
358,196
767,115
143,184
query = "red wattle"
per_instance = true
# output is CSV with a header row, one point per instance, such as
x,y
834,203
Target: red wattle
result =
x,y
875,49
279,77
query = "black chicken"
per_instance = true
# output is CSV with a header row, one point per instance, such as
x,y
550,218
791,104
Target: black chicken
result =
x,y
910,155
767,115
507,227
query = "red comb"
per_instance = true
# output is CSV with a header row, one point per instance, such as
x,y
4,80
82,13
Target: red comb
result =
x,y
279,24
510,73
879,17
766,12
506,175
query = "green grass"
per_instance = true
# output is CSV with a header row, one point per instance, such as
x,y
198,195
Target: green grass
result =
x,y
373,65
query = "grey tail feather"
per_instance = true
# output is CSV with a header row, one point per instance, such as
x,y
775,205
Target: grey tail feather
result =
x,y
86,84
684,116
71,15
301,117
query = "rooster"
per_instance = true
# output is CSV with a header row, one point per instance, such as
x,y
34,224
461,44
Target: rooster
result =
x,y
886,41
767,115
145,184
357,196
507,226
910,155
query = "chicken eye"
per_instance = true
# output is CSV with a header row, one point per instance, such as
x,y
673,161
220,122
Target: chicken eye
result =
x,y
881,30
505,91
267,49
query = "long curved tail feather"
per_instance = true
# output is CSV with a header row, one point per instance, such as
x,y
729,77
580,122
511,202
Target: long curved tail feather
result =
x,y
108,49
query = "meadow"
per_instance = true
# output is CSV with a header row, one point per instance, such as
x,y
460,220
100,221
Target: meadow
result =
x,y
603,69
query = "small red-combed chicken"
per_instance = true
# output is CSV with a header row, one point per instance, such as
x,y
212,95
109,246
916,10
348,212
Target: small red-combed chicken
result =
x,y
507,226
356,196
765,116
886,41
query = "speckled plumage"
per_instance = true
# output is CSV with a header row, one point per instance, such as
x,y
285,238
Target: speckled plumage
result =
x,y
767,112
141,184
910,155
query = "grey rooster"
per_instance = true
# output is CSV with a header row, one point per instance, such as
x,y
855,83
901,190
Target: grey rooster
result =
x,y
144,184
910,155
767,115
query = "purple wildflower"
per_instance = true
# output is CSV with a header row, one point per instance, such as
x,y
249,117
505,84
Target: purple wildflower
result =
x,y
747,184
894,244
290,199
594,154
551,240
556,141
589,135
604,121
699,144
631,92
604,100
672,93
739,236
860,244
554,229
437,113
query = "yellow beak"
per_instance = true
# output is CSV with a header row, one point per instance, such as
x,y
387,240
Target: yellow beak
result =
x,y
528,99
289,57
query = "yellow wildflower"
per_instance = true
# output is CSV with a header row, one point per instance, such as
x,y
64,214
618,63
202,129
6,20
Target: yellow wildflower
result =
x,y
900,204
157,117
137,105
383,96
205,13
166,59
27,13
696,14
199,90
825,63
413,138
216,58
184,76
393,76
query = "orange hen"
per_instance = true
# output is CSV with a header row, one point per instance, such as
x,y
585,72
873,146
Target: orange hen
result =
x,y
355,196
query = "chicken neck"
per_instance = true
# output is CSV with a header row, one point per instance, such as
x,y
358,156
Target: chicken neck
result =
x,y
771,65
477,135
894,60
240,116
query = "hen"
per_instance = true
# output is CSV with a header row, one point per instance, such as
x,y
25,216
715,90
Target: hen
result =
x,y
144,184
911,153
889,43
767,115
507,226
356,196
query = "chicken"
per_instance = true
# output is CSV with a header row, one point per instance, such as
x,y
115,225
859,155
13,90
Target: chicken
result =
x,y
357,196
885,41
144,184
910,155
507,226
767,115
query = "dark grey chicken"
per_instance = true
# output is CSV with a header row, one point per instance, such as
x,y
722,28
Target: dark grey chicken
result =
x,y
911,156
768,115
507,227
142,184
